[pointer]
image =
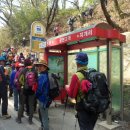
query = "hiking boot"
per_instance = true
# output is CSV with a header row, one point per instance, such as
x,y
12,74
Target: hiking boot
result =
x,y
18,120
6,116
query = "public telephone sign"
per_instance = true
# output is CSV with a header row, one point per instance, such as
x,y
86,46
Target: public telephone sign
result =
x,y
37,38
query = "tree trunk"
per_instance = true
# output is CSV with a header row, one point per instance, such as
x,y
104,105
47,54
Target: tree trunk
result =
x,y
51,14
108,17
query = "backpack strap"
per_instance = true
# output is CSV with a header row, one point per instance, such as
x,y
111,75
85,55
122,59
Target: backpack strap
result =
x,y
85,73
80,94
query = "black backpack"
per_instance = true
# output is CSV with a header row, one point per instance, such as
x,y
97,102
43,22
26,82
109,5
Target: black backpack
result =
x,y
2,76
54,86
97,99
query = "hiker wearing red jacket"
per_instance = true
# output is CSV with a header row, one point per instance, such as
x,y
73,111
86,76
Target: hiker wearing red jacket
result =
x,y
76,89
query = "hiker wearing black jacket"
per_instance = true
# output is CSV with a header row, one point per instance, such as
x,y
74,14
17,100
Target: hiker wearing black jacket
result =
x,y
71,22
3,89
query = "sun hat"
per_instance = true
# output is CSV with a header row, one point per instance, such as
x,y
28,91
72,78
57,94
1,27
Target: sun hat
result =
x,y
82,58
42,62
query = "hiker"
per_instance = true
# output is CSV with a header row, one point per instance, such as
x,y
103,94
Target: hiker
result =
x,y
8,70
90,11
70,22
87,12
56,29
3,89
42,93
24,41
15,85
86,119
28,79
21,58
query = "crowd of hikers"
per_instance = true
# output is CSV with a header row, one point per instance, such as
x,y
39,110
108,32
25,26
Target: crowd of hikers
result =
x,y
28,81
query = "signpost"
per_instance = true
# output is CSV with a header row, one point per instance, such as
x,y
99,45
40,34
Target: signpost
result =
x,y
37,37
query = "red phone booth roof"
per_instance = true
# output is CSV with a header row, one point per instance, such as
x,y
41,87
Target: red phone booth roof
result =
x,y
93,32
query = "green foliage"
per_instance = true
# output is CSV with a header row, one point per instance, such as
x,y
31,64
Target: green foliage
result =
x,y
37,10
22,20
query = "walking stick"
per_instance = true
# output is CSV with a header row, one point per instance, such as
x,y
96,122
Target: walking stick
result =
x,y
64,110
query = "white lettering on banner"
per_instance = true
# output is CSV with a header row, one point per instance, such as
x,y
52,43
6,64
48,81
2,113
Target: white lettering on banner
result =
x,y
50,43
85,34
65,39
68,38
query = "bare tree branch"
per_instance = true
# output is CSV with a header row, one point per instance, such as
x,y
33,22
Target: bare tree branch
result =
x,y
75,4
51,14
108,17
118,9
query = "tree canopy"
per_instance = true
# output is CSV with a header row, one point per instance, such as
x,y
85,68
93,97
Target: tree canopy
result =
x,y
18,16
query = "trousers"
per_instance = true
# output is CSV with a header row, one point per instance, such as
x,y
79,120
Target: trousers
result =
x,y
86,120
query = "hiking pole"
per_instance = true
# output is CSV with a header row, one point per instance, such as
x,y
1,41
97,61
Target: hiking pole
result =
x,y
64,110
76,121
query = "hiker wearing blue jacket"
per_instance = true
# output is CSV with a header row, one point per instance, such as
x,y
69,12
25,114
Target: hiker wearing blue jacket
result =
x,y
12,85
42,93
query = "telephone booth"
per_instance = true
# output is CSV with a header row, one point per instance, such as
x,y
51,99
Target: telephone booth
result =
x,y
104,46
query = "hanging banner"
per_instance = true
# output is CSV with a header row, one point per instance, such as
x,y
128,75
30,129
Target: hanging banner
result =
x,y
37,37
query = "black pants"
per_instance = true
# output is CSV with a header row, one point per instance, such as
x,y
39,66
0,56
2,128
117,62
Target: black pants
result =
x,y
86,120
10,91
4,98
30,100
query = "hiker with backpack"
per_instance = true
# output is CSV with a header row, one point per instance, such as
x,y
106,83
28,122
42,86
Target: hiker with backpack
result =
x,y
3,89
85,88
56,29
28,80
71,22
8,69
42,94
15,84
